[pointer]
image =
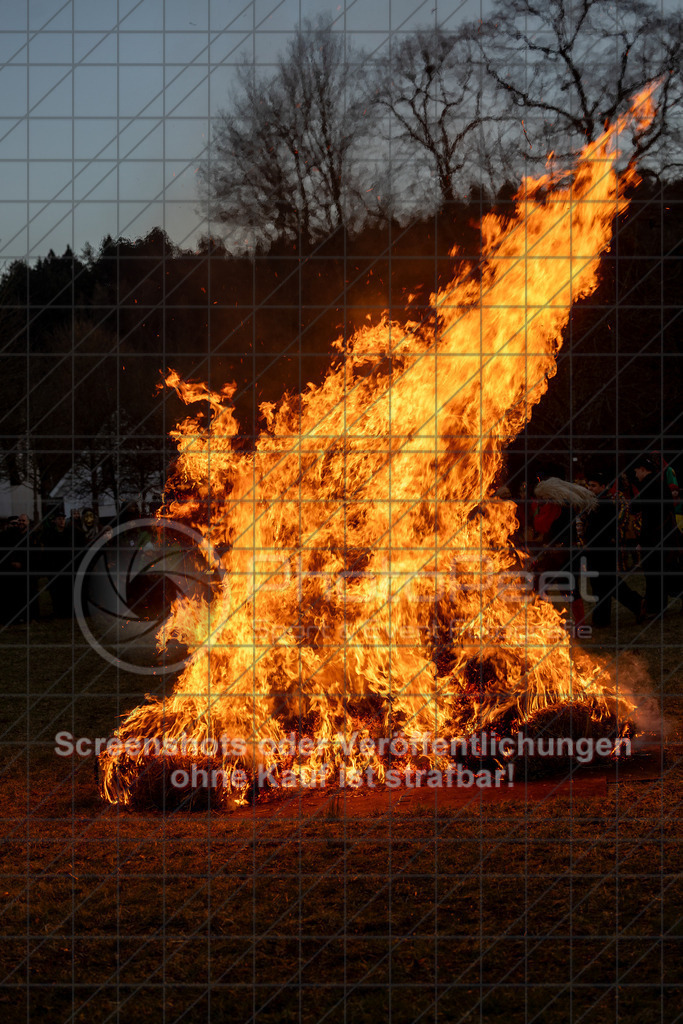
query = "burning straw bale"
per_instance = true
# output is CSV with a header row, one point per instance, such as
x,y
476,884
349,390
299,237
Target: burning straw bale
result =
x,y
171,783
569,720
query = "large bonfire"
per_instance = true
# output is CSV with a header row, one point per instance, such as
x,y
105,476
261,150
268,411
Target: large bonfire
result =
x,y
366,587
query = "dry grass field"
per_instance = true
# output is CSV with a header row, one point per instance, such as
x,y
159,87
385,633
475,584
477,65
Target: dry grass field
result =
x,y
550,910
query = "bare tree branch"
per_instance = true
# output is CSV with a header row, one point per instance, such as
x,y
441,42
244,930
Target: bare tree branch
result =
x,y
440,104
569,66
286,158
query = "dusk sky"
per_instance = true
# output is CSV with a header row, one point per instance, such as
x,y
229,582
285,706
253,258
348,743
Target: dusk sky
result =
x,y
106,105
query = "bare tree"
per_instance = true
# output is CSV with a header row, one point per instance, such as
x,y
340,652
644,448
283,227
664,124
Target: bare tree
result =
x,y
443,116
286,159
568,66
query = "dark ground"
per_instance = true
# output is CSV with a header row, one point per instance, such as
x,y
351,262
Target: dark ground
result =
x,y
566,909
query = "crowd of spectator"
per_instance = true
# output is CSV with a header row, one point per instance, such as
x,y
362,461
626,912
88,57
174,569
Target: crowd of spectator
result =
x,y
602,529
39,561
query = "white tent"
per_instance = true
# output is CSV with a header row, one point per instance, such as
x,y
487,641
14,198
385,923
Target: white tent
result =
x,y
17,499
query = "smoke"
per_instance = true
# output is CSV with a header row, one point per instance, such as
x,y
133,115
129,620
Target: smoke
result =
x,y
632,680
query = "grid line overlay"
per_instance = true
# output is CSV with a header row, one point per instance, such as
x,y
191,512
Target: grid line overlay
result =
x,y
555,902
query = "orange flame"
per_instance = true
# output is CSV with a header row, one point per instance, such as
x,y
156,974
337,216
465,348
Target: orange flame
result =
x,y
360,521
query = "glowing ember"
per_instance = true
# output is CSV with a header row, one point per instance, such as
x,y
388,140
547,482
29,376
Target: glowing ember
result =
x,y
368,579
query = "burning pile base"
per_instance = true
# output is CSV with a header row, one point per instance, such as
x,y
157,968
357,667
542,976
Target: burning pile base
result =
x,y
559,738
